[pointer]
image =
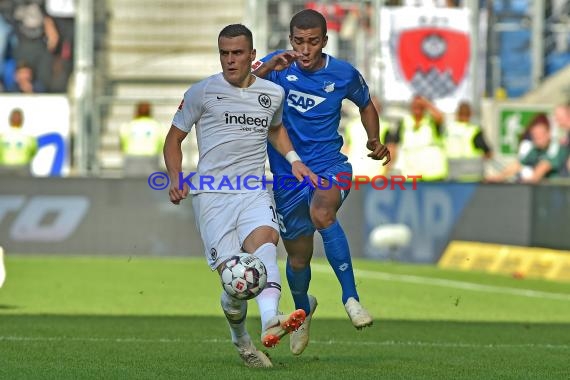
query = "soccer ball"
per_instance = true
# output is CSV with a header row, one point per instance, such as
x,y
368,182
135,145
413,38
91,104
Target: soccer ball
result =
x,y
243,276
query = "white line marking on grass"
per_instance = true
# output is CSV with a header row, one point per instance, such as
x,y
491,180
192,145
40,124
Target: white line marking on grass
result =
x,y
450,283
321,342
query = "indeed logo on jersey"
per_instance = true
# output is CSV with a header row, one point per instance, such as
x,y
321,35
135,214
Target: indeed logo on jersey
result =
x,y
303,102
243,119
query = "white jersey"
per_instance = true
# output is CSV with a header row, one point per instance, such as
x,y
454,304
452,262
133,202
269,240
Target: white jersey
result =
x,y
231,131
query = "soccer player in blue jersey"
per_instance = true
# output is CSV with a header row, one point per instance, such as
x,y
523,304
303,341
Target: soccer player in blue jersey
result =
x,y
315,85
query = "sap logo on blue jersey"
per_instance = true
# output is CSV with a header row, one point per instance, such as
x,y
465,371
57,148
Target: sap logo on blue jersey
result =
x,y
303,102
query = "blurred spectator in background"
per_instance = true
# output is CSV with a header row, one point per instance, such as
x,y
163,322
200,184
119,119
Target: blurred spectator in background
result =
x,y
63,14
465,146
24,81
542,158
17,148
417,142
562,119
141,142
37,38
431,3
6,40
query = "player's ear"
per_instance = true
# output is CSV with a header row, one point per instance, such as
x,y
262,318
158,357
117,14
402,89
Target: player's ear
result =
x,y
325,40
253,54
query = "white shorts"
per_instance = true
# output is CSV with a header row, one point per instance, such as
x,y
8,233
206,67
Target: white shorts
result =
x,y
225,220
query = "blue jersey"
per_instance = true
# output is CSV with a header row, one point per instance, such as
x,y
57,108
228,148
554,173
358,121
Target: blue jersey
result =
x,y
311,112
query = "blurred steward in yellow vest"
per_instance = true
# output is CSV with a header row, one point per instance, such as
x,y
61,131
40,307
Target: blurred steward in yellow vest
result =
x,y
465,146
17,148
355,143
141,142
417,141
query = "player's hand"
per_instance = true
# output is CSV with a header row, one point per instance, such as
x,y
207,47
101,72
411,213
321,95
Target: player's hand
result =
x,y
283,60
379,151
176,194
301,171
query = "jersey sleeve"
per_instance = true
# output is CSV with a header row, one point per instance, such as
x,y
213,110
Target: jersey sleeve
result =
x,y
278,115
190,109
358,91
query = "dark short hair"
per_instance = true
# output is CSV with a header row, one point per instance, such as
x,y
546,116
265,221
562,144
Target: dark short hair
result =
x,y
539,119
308,19
464,106
236,30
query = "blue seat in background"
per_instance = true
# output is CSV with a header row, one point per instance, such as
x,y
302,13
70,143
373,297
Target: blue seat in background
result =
x,y
555,62
8,74
511,7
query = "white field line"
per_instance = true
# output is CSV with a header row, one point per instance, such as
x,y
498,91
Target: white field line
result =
x,y
386,343
448,283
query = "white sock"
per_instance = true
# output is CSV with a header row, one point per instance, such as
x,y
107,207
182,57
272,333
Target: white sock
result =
x,y
268,299
235,312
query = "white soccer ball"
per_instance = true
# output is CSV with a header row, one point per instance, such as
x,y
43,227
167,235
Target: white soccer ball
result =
x,y
243,276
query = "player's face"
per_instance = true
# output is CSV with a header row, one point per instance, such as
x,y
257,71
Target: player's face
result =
x,y
236,58
310,43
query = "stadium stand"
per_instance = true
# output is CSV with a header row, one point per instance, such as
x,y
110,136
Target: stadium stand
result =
x,y
154,51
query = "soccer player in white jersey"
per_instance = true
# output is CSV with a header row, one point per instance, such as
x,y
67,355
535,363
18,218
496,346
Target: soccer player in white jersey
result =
x,y
235,114
315,86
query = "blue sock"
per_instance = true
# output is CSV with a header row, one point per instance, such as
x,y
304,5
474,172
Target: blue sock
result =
x,y
338,255
299,285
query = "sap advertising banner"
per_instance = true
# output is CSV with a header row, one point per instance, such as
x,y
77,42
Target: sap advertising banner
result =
x,y
48,118
93,216
413,225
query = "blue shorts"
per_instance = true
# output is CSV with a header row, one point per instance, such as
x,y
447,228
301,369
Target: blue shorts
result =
x,y
293,204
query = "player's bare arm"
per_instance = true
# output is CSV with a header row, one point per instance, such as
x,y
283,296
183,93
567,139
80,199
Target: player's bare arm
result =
x,y
539,172
371,122
173,159
509,171
279,138
277,63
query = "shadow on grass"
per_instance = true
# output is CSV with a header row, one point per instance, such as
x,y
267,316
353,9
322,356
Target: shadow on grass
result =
x,y
205,328
87,346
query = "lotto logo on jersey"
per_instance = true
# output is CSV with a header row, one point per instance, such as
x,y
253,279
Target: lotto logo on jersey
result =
x,y
303,102
243,119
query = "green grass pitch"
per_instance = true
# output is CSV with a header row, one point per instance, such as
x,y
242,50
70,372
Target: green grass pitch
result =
x,y
159,318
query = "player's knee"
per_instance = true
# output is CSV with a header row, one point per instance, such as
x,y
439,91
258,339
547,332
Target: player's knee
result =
x,y
322,217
